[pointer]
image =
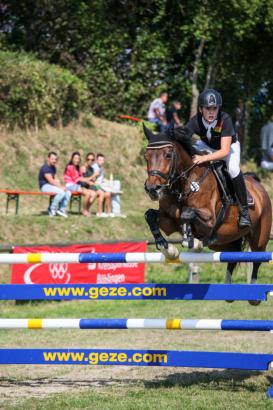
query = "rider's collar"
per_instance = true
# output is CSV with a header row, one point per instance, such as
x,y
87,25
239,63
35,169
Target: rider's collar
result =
x,y
209,127
209,124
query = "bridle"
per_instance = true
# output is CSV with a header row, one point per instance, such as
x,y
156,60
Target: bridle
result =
x,y
169,177
172,176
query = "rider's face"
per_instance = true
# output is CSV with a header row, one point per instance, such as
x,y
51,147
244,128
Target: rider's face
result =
x,y
209,113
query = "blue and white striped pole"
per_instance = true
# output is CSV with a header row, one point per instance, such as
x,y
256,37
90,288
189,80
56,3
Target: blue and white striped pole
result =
x,y
134,257
167,324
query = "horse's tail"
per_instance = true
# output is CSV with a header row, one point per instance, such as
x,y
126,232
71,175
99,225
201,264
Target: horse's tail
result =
x,y
253,175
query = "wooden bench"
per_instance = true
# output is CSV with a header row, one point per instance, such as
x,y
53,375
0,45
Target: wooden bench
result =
x,y
13,195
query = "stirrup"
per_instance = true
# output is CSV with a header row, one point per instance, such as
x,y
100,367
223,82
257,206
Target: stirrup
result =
x,y
244,221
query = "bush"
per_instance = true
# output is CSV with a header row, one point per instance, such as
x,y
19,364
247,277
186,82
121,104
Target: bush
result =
x,y
34,93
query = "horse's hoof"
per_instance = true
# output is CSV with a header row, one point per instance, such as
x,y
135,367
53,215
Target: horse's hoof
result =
x,y
171,252
254,302
229,301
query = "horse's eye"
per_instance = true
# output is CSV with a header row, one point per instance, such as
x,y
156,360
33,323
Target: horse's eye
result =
x,y
168,155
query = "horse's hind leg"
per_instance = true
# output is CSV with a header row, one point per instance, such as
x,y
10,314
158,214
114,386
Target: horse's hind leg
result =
x,y
230,268
258,240
254,275
235,246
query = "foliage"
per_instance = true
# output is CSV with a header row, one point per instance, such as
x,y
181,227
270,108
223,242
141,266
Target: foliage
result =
x,y
128,51
34,93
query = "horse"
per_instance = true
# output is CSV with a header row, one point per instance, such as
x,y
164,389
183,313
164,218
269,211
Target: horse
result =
x,y
190,202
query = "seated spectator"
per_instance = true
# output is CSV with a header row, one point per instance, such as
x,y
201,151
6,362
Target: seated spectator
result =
x,y
73,179
100,182
90,176
172,117
157,111
48,182
267,161
111,188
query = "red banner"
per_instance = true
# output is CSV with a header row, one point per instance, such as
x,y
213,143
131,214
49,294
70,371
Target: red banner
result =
x,y
101,273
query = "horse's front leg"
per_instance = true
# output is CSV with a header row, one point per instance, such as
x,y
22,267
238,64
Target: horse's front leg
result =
x,y
152,217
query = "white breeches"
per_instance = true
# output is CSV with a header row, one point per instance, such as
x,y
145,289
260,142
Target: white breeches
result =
x,y
232,160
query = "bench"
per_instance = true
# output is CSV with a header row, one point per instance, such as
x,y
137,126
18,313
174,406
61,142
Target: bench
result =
x,y
13,195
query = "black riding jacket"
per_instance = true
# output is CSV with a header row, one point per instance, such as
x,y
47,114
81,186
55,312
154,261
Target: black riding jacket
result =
x,y
223,128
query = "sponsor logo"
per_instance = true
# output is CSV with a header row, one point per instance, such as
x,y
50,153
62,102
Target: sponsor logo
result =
x,y
58,272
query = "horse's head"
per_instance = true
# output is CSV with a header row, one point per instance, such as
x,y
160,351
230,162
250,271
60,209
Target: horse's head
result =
x,y
161,161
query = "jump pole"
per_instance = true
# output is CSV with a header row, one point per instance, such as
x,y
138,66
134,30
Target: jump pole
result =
x,y
167,324
134,257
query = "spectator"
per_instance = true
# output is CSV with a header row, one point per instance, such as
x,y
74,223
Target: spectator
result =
x,y
267,145
100,182
90,176
172,114
267,135
157,111
73,179
267,161
49,183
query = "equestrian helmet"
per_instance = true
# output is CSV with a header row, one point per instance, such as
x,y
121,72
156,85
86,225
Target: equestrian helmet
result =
x,y
210,98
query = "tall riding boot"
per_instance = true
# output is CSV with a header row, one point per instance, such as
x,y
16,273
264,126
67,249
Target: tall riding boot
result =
x,y
240,191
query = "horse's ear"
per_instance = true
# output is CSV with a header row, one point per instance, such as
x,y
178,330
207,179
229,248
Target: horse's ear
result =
x,y
148,134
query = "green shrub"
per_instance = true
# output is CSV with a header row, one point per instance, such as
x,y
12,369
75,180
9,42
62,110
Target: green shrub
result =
x,y
34,93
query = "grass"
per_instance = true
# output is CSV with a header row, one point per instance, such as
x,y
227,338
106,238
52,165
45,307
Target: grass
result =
x,y
84,387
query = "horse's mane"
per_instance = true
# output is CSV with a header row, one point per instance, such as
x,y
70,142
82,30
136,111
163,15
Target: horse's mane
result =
x,y
178,134
183,136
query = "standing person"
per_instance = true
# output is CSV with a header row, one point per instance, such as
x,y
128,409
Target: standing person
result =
x,y
157,111
172,114
73,178
218,136
106,200
48,182
267,145
267,135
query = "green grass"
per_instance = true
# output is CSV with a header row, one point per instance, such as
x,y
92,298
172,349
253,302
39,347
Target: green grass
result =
x,y
106,387
110,387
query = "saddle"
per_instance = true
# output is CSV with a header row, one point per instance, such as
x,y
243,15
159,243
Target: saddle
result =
x,y
224,182
226,190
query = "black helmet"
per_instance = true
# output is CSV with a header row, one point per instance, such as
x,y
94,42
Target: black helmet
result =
x,y
210,98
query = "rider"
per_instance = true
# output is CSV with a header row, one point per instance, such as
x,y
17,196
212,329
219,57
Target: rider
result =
x,y
217,135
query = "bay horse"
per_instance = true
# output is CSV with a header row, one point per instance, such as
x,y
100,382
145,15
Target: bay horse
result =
x,y
189,195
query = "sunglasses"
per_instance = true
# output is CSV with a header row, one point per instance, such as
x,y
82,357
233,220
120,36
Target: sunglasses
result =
x,y
90,159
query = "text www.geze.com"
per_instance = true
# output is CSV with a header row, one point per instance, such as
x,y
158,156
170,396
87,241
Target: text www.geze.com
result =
x,y
101,357
101,292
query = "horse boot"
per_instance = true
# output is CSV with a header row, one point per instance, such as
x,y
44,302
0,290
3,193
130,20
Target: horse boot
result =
x,y
240,191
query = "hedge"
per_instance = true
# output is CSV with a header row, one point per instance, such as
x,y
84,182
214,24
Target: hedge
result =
x,y
34,93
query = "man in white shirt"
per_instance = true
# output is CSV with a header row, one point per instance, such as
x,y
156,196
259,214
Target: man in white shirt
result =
x,y
157,111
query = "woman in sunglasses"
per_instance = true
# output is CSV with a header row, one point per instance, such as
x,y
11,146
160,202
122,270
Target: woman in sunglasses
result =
x,y
74,179
90,176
